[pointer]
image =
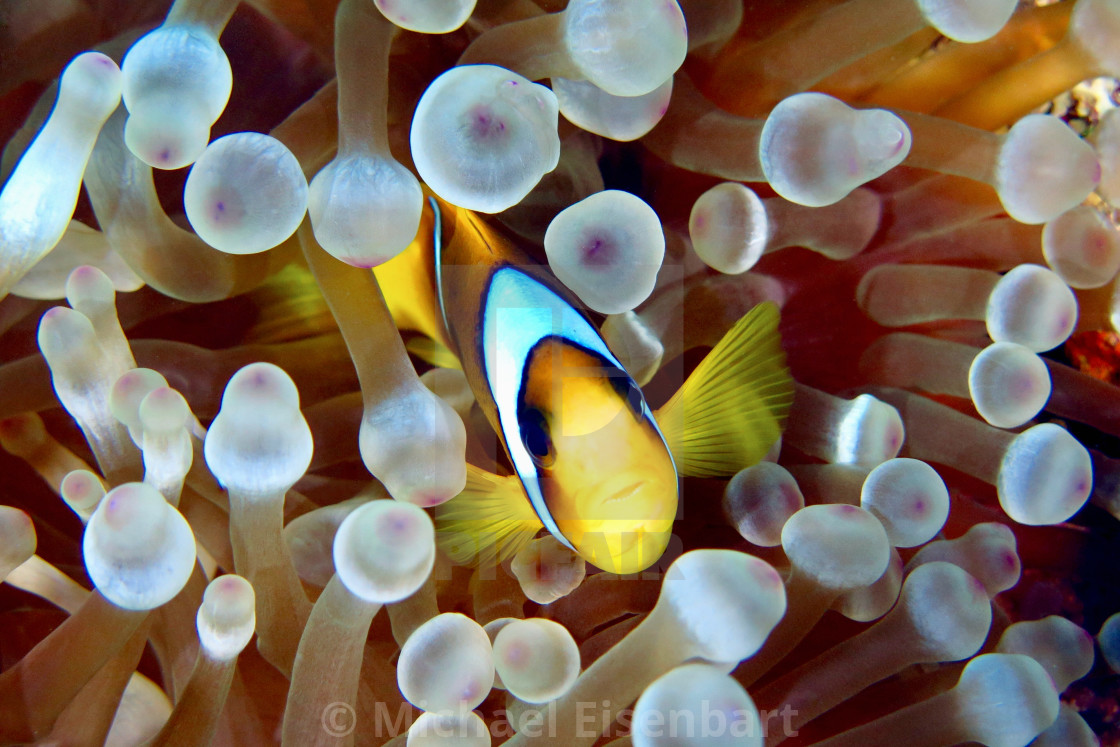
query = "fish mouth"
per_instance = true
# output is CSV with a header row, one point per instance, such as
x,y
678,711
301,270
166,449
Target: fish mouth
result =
x,y
626,492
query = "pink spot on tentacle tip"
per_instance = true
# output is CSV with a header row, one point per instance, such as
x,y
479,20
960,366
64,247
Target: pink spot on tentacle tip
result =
x,y
484,124
846,509
470,691
597,252
428,500
1010,561
128,380
115,507
516,654
919,507
768,576
400,523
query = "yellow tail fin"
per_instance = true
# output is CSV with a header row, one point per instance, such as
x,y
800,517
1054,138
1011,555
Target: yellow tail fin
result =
x,y
490,520
732,408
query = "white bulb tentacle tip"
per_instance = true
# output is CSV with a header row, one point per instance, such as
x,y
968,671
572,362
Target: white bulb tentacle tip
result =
x,y
482,137
227,617
1007,699
909,498
1068,730
164,410
537,659
1043,169
415,444
259,444
547,570
1083,246
1062,647
447,664
460,728
37,201
139,551
245,194
17,539
82,491
868,432
729,228
726,602
89,287
607,248
838,546
1109,640
364,208
384,550
1032,306
699,694
610,43
90,87
427,16
759,500
969,21
128,391
815,149
1045,477
67,336
176,81
635,343
947,611
1009,384
621,118
987,552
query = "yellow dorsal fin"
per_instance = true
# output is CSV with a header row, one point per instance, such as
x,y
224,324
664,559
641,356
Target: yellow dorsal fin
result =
x,y
490,520
732,408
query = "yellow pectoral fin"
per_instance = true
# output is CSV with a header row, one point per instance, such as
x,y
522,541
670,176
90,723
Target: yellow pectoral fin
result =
x,y
732,408
490,520
432,351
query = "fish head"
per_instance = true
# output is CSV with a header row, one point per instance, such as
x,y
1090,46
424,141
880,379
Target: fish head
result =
x,y
606,475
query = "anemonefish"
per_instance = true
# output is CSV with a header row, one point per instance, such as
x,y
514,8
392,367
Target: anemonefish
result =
x,y
592,463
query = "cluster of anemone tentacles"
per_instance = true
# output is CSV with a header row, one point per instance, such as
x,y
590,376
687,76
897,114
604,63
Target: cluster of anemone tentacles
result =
x,y
193,549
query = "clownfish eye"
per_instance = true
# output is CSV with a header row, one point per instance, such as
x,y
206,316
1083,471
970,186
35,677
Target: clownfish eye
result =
x,y
629,391
534,434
